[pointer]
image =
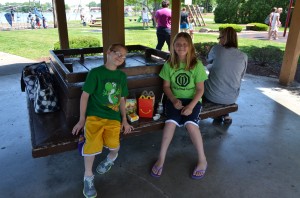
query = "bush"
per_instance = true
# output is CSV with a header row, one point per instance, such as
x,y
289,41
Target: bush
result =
x,y
259,27
243,12
202,49
80,42
237,28
266,56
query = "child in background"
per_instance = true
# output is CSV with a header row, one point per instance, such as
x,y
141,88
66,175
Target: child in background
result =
x,y
103,114
183,84
191,29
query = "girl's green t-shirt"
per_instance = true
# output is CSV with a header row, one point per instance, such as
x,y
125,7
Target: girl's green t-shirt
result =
x,y
183,82
106,87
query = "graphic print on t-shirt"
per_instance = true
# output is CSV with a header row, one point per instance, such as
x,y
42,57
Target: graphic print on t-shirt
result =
x,y
182,79
112,91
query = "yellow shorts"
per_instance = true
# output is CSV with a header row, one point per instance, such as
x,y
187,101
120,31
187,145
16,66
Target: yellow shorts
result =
x,y
99,132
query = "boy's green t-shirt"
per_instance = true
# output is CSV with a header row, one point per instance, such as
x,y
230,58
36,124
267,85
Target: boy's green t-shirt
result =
x,y
183,82
106,87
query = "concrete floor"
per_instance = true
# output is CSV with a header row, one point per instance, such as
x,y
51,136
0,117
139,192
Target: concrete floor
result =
x,y
257,156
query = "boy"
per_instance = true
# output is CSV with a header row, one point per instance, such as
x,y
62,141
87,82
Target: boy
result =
x,y
102,107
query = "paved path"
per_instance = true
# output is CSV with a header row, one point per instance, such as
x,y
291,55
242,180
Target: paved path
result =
x,y
11,64
262,36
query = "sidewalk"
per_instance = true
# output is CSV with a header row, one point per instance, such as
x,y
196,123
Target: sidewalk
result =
x,y
262,36
11,64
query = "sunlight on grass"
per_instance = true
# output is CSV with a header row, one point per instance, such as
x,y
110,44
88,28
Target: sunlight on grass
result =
x,y
34,44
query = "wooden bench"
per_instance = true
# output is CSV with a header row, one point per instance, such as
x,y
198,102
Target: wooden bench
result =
x,y
51,133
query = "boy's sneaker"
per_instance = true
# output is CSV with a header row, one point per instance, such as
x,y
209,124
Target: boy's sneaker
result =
x,y
89,190
104,166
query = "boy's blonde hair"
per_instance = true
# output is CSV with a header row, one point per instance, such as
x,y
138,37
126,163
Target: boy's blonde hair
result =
x,y
191,59
116,45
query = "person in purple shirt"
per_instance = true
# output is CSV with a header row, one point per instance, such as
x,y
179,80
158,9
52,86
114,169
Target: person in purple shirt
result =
x,y
163,29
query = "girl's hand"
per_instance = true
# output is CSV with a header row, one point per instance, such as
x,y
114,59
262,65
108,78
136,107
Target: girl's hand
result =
x,y
187,110
78,127
177,104
127,128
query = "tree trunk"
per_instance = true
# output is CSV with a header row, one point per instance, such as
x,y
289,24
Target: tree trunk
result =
x,y
54,14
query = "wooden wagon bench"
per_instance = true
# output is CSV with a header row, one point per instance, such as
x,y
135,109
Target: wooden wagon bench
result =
x,y
51,133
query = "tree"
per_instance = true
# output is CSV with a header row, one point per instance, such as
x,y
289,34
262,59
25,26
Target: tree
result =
x,y
247,11
93,4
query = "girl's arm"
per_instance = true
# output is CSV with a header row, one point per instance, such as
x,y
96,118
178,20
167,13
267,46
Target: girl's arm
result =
x,y
83,104
277,18
167,89
187,110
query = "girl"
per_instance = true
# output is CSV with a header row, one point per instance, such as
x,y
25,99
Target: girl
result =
x,y
183,84
275,24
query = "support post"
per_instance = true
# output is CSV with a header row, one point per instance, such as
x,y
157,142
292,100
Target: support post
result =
x,y
292,50
62,24
175,21
112,23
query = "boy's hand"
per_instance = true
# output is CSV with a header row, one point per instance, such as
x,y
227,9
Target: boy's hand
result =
x,y
127,128
78,127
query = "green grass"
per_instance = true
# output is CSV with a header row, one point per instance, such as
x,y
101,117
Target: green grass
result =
x,y
35,44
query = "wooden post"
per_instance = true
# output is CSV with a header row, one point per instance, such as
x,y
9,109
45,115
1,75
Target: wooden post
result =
x,y
54,14
62,23
112,23
175,21
292,50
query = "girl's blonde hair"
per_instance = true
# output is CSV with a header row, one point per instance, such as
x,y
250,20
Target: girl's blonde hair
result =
x,y
191,58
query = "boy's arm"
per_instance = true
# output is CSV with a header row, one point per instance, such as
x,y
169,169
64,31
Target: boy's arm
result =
x,y
127,128
83,105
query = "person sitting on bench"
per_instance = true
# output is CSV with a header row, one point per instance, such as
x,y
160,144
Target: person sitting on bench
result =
x,y
226,69
183,85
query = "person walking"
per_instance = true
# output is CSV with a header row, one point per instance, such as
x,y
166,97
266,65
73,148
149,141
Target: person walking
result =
x,y
163,21
269,21
275,24
145,18
184,20
12,13
183,84
103,114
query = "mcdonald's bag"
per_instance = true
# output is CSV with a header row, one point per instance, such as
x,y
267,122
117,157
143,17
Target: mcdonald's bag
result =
x,y
146,104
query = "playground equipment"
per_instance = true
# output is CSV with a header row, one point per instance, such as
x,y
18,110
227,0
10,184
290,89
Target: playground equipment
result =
x,y
287,21
195,14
